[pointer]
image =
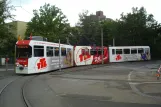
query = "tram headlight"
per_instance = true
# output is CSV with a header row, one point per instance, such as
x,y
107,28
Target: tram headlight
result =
x,y
25,65
17,64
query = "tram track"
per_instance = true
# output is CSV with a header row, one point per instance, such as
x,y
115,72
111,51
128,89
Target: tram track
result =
x,y
8,100
26,101
13,93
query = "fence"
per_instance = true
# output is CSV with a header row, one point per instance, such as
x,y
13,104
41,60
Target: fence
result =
x,y
11,60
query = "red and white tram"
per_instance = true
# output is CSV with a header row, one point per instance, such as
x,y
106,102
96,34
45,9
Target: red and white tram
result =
x,y
40,56
34,56
129,53
87,55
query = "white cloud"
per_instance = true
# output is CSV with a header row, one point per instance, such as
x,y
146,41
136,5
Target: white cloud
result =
x,y
71,8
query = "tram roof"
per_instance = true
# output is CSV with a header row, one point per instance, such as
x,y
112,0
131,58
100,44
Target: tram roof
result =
x,y
129,47
35,42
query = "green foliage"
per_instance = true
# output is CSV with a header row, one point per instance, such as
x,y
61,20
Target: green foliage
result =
x,y
49,22
7,39
110,31
139,28
89,29
75,35
132,29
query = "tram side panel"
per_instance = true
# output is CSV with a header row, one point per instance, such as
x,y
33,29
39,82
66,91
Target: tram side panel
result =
x,y
129,53
87,55
82,55
113,57
97,56
44,57
44,64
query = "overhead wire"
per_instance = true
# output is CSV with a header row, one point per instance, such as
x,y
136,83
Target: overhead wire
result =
x,y
23,8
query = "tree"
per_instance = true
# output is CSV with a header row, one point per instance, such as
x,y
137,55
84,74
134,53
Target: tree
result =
x,y
139,28
49,22
110,31
75,35
7,39
89,29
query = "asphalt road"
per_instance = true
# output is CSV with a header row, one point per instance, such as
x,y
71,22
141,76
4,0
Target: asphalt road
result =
x,y
119,84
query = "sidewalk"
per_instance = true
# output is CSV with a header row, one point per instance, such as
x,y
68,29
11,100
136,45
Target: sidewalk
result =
x,y
144,75
1,69
10,67
145,83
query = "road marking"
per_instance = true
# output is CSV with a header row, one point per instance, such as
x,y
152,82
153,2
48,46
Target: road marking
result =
x,y
151,82
134,83
7,69
129,75
133,87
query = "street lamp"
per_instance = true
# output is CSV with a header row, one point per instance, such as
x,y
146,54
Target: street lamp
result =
x,y
113,41
102,42
67,38
59,56
60,51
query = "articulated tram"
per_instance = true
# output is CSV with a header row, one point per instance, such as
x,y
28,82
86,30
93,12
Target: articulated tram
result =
x,y
129,53
36,56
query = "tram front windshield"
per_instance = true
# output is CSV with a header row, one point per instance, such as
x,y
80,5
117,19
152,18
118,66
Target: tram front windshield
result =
x,y
23,51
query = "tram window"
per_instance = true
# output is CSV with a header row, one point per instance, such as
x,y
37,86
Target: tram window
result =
x,y
85,51
93,52
140,50
56,51
113,51
68,50
63,51
100,52
23,51
49,51
118,51
126,51
38,51
38,47
147,51
133,51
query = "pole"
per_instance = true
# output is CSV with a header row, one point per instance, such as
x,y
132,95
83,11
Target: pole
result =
x,y
102,44
67,40
113,41
6,66
59,57
15,59
6,63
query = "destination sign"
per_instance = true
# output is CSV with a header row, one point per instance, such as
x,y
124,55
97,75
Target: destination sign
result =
x,y
21,46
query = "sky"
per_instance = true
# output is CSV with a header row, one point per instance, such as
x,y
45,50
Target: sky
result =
x,y
71,8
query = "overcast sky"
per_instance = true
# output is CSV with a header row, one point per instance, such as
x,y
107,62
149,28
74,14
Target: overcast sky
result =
x,y
71,8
